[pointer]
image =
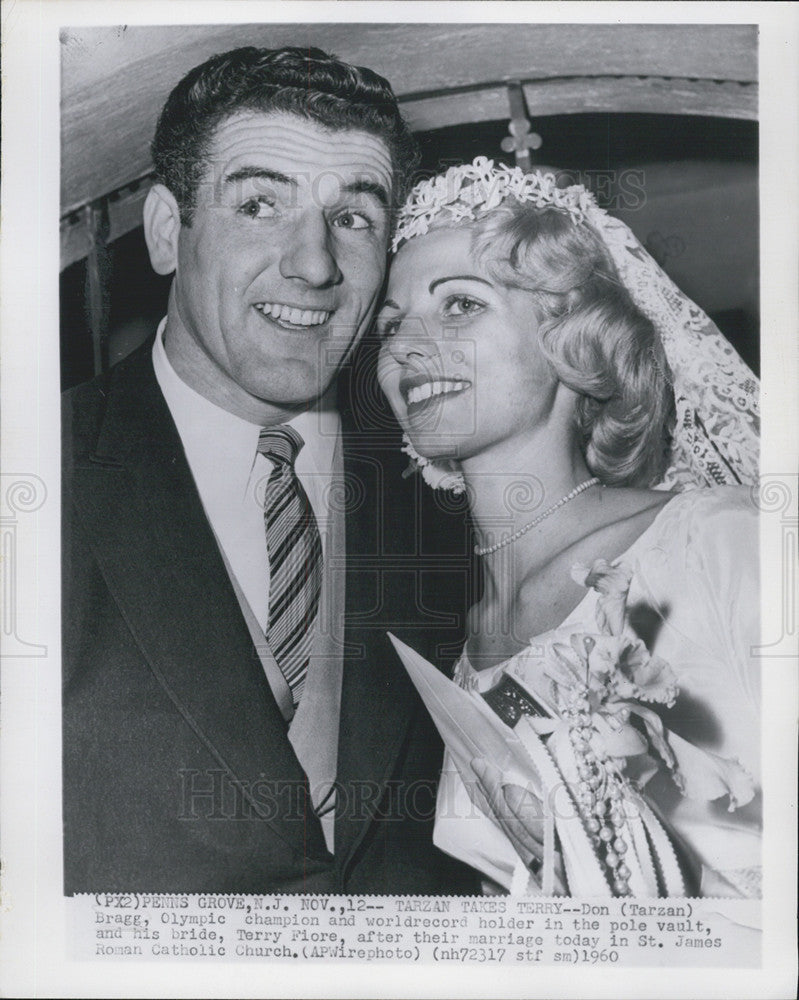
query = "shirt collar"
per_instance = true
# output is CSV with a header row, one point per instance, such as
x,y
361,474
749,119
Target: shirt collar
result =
x,y
229,441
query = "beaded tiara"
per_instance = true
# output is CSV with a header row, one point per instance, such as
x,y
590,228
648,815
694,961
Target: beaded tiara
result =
x,y
471,189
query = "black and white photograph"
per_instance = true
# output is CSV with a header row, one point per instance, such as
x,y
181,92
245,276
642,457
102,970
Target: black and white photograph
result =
x,y
397,583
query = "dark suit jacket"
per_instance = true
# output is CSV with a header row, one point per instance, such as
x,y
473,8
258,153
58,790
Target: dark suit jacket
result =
x,y
178,773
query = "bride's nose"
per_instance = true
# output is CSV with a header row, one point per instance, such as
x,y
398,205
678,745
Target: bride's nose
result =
x,y
410,340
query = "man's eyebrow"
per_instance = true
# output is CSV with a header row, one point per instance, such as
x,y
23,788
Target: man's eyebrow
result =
x,y
373,188
258,173
457,277
390,303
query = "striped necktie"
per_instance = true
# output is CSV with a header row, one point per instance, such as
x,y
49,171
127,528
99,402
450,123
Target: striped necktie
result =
x,y
295,558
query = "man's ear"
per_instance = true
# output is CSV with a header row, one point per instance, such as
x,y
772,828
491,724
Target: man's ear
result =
x,y
162,228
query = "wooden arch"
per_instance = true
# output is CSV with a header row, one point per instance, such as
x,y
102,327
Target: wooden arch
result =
x,y
115,80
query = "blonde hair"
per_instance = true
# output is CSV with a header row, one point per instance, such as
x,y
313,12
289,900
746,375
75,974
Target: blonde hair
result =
x,y
597,341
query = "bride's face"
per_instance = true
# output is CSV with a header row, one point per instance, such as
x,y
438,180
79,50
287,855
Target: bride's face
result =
x,y
460,360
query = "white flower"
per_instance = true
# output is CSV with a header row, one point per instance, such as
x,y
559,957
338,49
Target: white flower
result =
x,y
612,583
442,475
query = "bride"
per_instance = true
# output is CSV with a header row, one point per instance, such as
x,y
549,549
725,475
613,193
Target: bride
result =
x,y
538,358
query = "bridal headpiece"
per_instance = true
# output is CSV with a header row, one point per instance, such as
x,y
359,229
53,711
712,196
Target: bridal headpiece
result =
x,y
716,433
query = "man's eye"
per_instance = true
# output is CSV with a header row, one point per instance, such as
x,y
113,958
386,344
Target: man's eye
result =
x,y
462,305
352,220
260,207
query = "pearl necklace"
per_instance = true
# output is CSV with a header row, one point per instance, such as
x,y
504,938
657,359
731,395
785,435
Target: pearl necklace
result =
x,y
488,549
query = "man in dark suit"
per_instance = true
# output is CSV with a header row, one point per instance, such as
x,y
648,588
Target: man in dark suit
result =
x,y
238,533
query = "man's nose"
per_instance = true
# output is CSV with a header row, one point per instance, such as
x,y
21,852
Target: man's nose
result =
x,y
309,255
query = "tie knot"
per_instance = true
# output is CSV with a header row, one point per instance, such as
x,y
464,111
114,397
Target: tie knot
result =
x,y
281,443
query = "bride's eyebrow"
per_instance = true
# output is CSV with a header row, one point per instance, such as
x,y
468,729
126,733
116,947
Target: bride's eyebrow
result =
x,y
391,304
457,277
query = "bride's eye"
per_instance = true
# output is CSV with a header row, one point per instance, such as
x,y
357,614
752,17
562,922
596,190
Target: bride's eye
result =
x,y
386,328
462,305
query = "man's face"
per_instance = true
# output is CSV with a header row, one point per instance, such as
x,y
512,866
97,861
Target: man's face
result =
x,y
277,275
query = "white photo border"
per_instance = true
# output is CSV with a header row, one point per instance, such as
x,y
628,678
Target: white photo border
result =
x,y
33,947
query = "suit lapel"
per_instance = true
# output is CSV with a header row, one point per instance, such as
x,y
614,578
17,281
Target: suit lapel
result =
x,y
162,564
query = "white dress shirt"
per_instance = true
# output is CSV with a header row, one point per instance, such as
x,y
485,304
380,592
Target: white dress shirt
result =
x,y
230,474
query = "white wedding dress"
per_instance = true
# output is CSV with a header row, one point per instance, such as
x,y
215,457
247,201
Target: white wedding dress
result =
x,y
694,600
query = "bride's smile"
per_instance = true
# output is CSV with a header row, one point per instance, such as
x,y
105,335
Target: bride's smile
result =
x,y
420,389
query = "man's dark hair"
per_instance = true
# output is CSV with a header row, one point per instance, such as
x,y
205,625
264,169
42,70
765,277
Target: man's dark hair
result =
x,y
308,83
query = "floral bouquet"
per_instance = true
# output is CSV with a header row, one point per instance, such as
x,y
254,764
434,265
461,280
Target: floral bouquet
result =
x,y
579,702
